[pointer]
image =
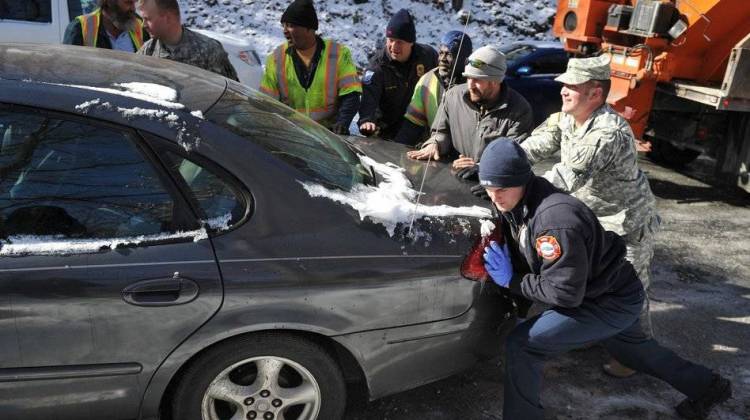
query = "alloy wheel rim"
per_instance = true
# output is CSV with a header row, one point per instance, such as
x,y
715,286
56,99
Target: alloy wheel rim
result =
x,y
263,388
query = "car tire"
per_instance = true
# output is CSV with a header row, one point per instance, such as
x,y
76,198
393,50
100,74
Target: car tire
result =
x,y
664,152
262,374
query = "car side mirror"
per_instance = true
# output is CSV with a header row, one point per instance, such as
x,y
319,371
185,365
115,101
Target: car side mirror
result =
x,y
524,71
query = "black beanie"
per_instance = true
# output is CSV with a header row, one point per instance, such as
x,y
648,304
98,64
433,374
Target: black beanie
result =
x,y
401,26
504,164
301,13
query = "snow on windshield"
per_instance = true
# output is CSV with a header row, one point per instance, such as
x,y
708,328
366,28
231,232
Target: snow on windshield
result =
x,y
392,202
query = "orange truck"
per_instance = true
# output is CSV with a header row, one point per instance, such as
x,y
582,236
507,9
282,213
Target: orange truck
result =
x,y
680,73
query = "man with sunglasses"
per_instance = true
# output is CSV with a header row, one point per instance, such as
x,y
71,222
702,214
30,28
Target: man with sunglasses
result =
x,y
455,48
474,114
599,166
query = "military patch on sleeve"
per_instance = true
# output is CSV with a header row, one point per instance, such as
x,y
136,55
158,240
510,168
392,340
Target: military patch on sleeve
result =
x,y
367,78
548,248
420,70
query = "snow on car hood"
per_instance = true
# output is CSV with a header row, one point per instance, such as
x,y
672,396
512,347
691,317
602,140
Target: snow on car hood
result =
x,y
392,201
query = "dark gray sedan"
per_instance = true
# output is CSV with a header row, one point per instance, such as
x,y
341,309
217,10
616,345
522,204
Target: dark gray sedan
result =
x,y
175,245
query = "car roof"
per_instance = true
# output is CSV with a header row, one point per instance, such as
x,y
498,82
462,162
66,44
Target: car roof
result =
x,y
537,44
101,68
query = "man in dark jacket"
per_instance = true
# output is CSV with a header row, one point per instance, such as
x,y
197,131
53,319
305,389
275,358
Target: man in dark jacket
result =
x,y
389,80
474,114
557,253
114,25
455,48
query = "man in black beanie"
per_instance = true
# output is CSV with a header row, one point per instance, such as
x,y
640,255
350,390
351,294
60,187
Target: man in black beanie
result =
x,y
297,71
557,253
391,76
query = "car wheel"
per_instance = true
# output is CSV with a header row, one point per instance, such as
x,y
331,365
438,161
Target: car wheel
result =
x,y
266,377
664,152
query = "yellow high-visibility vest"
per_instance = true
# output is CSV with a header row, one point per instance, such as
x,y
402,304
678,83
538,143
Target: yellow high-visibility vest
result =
x,y
425,100
90,29
334,76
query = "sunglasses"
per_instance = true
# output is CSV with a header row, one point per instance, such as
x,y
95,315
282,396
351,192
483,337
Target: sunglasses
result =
x,y
479,64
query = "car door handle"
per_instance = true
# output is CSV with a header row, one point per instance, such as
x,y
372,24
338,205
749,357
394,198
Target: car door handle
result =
x,y
161,292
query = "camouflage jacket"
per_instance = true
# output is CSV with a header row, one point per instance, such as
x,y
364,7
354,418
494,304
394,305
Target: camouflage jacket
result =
x,y
194,49
598,166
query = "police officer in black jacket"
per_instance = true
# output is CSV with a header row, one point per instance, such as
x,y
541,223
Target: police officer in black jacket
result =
x,y
389,80
557,253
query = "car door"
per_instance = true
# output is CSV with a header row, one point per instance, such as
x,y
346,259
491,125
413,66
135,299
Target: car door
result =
x,y
104,268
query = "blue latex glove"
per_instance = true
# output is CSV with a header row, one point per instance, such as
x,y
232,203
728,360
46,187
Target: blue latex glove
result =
x,y
497,263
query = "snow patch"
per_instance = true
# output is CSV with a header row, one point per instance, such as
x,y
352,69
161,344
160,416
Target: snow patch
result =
x,y
218,223
197,114
162,93
392,202
155,97
486,228
58,245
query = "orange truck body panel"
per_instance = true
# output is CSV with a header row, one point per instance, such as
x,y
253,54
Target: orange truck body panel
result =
x,y
698,55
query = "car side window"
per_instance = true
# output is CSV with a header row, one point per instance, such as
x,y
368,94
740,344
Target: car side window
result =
x,y
220,201
68,179
80,7
26,10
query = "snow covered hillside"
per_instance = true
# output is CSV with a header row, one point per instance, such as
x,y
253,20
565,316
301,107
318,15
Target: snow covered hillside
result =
x,y
360,24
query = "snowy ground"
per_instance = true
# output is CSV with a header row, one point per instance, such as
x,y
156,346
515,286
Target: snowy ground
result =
x,y
360,26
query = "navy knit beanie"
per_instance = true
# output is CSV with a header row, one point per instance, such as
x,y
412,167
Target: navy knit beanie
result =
x,y
401,26
504,164
459,44
301,13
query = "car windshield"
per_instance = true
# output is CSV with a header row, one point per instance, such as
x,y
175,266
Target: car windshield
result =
x,y
513,52
291,136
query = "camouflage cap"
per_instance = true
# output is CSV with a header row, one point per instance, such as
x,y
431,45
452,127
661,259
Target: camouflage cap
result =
x,y
581,70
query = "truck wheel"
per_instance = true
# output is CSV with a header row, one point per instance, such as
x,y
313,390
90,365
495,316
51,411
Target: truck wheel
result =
x,y
668,154
264,377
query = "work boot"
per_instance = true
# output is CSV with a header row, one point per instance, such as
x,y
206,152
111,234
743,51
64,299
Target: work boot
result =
x,y
617,369
719,391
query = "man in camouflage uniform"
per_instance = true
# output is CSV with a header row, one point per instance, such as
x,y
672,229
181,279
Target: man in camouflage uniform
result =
x,y
173,41
599,166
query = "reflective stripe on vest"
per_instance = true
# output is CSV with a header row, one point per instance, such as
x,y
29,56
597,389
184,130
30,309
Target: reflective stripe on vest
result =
x,y
279,58
90,29
328,67
425,101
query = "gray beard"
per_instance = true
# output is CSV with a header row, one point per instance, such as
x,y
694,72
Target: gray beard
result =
x,y
122,21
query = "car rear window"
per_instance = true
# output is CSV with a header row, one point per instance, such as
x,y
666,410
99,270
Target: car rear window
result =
x,y
290,136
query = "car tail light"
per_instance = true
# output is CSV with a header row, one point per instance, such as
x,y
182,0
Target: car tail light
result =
x,y
472,267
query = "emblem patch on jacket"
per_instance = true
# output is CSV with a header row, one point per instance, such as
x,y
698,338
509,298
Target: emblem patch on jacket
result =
x,y
367,78
420,70
548,248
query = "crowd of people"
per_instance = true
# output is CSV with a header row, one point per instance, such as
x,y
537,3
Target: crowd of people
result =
x,y
579,239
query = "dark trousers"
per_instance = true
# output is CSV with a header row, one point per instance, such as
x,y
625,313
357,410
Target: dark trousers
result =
x,y
613,320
